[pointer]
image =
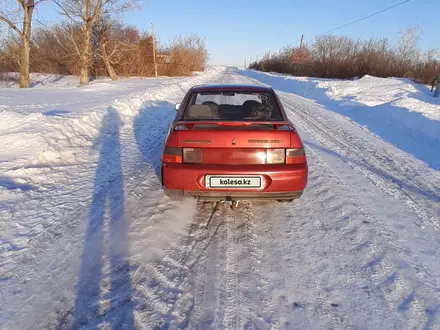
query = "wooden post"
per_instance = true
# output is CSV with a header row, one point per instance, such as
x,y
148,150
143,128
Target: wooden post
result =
x,y
154,50
436,84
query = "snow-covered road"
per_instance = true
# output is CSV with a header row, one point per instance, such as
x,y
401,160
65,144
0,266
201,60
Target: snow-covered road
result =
x,y
90,241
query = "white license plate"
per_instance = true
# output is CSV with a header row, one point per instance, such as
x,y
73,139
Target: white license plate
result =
x,y
231,181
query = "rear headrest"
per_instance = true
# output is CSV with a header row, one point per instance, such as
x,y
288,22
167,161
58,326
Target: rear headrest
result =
x,y
249,106
262,112
250,102
212,105
200,111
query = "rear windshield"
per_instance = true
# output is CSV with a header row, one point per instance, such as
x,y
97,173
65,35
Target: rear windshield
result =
x,y
232,106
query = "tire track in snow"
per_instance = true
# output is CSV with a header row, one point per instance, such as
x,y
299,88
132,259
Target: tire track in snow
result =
x,y
228,289
207,265
256,304
163,295
221,280
329,307
231,290
323,242
396,288
214,289
196,255
338,141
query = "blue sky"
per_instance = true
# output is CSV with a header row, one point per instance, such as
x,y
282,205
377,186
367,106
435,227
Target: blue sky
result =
x,y
238,29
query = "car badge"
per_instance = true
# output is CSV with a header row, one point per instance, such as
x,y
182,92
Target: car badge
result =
x,y
233,142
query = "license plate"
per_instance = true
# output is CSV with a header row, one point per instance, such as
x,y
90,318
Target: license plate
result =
x,y
231,181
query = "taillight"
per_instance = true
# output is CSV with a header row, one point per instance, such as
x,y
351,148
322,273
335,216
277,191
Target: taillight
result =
x,y
192,155
295,156
275,156
172,155
284,156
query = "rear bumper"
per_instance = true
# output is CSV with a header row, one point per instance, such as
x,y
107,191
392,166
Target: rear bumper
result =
x,y
278,181
232,195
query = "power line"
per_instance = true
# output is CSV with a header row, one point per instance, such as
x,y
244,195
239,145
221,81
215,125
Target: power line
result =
x,y
364,18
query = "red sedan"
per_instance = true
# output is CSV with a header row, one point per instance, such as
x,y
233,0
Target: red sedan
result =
x,y
233,142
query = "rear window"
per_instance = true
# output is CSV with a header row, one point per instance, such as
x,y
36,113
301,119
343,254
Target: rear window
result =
x,y
232,106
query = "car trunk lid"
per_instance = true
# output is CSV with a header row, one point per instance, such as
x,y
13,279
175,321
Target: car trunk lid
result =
x,y
233,143
234,135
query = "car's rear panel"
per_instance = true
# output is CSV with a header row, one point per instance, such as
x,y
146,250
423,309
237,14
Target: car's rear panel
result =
x,y
275,179
199,158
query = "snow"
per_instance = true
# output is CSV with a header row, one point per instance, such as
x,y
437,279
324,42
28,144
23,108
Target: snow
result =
x,y
38,80
56,81
374,92
88,239
399,111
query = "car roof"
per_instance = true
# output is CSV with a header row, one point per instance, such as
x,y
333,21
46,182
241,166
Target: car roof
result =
x,y
232,87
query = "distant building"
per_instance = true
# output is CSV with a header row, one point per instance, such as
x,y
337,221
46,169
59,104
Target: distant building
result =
x,y
163,58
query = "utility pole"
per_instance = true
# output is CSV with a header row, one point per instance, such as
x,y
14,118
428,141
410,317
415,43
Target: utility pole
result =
x,y
154,50
245,63
302,39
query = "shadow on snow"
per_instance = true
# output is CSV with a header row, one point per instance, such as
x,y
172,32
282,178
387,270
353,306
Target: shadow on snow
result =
x,y
10,184
95,285
150,128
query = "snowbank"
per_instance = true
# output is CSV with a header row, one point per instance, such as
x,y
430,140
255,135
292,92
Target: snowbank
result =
x,y
373,92
35,124
395,109
39,80
46,80
368,90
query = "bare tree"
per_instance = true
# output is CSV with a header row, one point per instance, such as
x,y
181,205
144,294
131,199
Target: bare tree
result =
x,y
431,55
112,42
408,45
188,54
84,13
52,50
103,32
13,18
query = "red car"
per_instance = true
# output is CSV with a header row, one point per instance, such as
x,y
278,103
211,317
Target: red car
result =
x,y
233,142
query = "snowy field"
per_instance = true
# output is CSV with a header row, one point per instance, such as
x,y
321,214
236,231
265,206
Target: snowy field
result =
x,y
89,241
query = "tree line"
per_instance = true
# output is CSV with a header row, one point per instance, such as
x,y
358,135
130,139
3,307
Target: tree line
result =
x,y
90,41
330,56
